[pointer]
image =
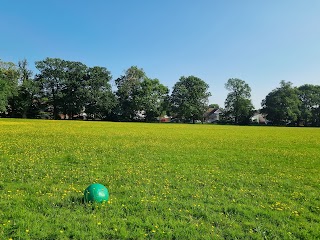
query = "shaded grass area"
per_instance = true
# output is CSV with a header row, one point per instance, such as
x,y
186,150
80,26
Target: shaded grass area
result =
x,y
166,181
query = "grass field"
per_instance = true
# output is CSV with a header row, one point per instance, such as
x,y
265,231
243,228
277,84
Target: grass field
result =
x,y
166,181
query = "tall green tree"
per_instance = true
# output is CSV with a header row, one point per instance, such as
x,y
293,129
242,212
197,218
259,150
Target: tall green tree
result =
x,y
27,102
238,103
99,98
52,80
152,96
309,96
189,98
73,90
128,87
282,104
63,84
9,75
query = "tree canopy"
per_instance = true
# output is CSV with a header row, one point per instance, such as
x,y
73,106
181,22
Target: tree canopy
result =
x,y
27,100
282,104
129,86
152,96
238,103
9,76
99,98
70,89
189,98
309,96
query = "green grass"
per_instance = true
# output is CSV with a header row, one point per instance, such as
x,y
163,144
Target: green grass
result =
x,y
166,181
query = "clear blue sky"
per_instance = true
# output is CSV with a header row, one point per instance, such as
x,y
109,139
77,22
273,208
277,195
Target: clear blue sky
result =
x,y
261,42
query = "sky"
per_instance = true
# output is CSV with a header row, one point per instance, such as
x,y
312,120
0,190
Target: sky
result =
x,y
260,42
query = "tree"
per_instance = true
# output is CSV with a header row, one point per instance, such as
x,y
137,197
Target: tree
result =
x,y
51,79
73,90
8,84
309,96
238,103
152,96
63,84
26,102
282,104
100,99
127,94
71,87
189,98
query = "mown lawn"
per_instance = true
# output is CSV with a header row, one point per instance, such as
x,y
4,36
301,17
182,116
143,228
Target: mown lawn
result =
x,y
166,181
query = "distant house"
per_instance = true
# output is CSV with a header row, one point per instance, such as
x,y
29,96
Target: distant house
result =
x,y
164,118
63,116
75,116
140,116
212,115
258,118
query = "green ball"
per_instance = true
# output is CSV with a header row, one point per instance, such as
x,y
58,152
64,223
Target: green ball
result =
x,y
96,193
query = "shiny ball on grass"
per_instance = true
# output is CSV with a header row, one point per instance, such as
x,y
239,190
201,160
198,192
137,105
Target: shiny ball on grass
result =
x,y
96,193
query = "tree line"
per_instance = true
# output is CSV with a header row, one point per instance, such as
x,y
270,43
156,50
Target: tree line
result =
x,y
68,88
